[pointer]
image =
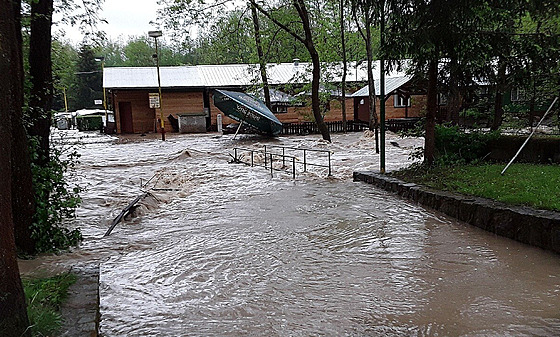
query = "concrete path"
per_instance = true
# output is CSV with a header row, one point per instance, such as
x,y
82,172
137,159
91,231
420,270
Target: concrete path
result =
x,y
80,312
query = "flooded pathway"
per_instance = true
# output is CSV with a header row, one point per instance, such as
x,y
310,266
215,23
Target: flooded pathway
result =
x,y
226,250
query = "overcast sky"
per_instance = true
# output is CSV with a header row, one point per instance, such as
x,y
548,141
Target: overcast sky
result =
x,y
125,18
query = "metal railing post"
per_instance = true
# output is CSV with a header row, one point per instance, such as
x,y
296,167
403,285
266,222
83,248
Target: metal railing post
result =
x,y
283,158
271,173
235,155
294,167
329,163
252,156
304,160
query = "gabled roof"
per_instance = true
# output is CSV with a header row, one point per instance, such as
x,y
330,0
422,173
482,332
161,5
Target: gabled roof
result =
x,y
228,75
391,84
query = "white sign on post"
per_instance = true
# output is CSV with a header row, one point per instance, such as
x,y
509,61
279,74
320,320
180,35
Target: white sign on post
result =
x,y
97,102
154,101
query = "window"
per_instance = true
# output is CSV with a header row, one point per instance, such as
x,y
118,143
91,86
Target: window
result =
x,y
517,95
401,101
280,109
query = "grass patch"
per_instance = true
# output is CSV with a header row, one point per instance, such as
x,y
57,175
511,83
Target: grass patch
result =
x,y
44,297
523,184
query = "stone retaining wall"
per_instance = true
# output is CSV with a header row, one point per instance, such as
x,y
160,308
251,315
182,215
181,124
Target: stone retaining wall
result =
x,y
535,227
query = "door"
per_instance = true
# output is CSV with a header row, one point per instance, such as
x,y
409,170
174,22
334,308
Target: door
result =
x,y
125,112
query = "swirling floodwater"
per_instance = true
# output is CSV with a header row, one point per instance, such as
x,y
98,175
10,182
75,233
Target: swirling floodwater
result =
x,y
225,249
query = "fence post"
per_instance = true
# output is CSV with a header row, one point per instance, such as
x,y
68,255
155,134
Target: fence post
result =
x,y
252,155
294,167
235,155
271,173
283,158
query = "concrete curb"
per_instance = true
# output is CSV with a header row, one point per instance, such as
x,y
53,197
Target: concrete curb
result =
x,y
538,228
80,312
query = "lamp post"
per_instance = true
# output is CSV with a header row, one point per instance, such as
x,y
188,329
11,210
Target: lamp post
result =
x,y
155,34
102,60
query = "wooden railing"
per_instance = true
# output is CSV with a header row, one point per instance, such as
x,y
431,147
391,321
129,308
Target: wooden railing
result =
x,y
306,128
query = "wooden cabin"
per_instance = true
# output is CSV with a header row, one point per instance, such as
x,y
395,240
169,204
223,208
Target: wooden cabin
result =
x,y
187,94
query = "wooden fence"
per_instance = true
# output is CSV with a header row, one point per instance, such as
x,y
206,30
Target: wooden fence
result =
x,y
306,128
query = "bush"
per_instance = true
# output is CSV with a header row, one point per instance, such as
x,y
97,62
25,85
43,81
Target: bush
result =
x,y
55,200
454,147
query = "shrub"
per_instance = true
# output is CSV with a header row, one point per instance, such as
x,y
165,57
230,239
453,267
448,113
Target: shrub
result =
x,y
454,146
56,200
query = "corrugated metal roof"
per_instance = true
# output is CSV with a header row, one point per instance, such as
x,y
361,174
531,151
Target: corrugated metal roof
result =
x,y
391,84
229,75
146,77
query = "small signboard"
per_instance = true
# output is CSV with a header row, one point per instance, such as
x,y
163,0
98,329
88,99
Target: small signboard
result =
x,y
98,102
154,101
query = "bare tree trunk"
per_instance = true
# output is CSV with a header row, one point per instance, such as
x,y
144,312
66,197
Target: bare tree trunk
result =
x,y
262,61
40,70
13,314
373,122
429,141
315,100
23,198
344,67
307,41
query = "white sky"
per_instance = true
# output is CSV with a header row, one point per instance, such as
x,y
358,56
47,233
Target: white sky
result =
x,y
125,18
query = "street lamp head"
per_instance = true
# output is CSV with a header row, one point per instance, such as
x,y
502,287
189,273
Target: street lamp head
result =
x,y
155,33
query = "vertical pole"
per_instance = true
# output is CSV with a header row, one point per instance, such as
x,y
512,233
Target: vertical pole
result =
x,y
304,161
271,173
265,156
330,163
235,155
283,158
162,125
294,167
382,93
104,95
252,155
65,100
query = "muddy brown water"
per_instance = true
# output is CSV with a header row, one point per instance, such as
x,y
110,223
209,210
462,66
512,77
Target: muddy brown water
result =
x,y
230,251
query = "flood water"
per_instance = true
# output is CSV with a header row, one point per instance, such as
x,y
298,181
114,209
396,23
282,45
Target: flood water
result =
x,y
226,250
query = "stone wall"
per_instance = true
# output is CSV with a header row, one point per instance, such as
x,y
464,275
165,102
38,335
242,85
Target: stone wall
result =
x,y
534,227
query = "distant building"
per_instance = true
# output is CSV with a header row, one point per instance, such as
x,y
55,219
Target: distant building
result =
x,y
188,90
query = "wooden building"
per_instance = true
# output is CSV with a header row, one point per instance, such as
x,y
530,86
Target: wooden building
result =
x,y
187,91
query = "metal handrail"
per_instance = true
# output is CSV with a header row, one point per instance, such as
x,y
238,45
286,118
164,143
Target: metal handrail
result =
x,y
268,160
304,150
270,156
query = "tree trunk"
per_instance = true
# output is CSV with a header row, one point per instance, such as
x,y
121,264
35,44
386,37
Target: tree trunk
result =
x,y
429,141
315,100
262,62
344,67
13,314
23,199
40,71
373,122
498,99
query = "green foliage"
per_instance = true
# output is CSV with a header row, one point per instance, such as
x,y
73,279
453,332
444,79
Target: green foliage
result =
x,y
55,200
44,297
454,146
89,123
523,184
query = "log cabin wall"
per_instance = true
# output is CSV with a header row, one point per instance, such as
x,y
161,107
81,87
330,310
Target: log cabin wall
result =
x,y
417,108
144,118
142,115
